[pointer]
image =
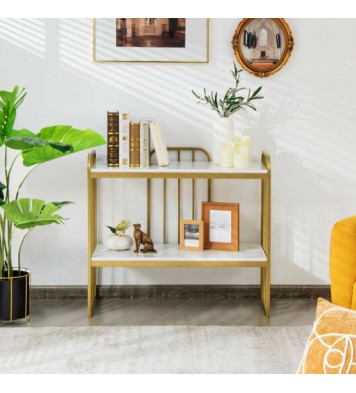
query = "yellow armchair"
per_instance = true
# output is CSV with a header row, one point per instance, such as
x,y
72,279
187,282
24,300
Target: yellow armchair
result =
x,y
343,263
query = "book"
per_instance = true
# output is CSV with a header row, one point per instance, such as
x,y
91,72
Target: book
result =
x,y
159,143
134,145
113,138
144,144
124,140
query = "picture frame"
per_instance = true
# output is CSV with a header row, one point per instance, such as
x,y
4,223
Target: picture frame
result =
x,y
124,40
191,235
262,45
221,226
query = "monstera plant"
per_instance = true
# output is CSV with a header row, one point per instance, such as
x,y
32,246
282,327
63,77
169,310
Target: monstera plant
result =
x,y
24,214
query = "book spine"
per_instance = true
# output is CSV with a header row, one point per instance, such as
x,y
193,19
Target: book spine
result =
x,y
144,145
113,138
159,144
134,145
124,140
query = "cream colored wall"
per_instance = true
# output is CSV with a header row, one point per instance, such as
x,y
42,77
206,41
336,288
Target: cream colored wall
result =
x,y
307,122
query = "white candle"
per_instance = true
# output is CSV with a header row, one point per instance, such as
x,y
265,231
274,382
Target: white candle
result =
x,y
242,157
227,155
242,141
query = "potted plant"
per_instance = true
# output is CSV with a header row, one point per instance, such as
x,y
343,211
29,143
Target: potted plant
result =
x,y
230,103
25,214
119,241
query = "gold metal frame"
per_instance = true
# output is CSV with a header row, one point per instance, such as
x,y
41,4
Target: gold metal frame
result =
x,y
153,61
236,44
264,177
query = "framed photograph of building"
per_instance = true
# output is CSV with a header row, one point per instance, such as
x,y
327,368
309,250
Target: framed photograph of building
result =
x,y
191,235
221,226
166,40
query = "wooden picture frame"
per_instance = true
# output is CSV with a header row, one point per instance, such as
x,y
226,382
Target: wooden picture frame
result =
x,y
191,235
120,40
221,226
262,45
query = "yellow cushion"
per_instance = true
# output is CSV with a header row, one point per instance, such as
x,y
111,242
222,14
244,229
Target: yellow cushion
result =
x,y
331,347
343,263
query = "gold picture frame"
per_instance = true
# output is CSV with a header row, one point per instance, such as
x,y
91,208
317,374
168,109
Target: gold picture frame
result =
x,y
221,226
191,235
107,50
262,45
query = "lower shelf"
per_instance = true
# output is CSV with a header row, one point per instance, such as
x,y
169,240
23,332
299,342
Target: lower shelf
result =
x,y
170,255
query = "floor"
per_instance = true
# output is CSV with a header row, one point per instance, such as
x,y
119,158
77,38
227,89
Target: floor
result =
x,y
194,312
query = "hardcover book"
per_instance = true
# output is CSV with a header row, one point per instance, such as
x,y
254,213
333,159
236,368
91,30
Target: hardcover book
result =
x,y
124,140
135,145
113,138
144,144
159,143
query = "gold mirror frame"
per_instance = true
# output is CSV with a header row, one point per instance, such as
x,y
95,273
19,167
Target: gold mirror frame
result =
x,y
240,37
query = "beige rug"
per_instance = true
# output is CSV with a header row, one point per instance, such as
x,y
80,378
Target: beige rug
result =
x,y
152,349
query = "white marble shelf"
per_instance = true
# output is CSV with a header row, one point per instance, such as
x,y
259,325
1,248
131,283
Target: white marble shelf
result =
x,y
179,169
248,254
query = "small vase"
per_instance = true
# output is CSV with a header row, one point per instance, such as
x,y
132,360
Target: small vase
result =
x,y
119,243
223,132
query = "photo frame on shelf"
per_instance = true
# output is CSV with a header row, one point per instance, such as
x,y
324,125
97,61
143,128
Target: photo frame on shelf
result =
x,y
191,235
158,40
221,226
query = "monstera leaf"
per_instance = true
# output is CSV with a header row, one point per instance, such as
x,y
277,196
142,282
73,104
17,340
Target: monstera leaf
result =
x,y
26,213
52,142
9,102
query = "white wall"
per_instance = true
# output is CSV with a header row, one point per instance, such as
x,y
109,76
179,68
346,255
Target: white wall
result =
x,y
307,122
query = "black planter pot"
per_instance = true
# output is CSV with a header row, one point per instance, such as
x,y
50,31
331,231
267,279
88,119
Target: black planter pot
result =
x,y
15,296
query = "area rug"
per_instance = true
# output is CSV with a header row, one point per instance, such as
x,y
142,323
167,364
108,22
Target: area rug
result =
x,y
152,349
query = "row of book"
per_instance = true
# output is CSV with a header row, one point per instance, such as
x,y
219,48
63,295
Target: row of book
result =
x,y
129,143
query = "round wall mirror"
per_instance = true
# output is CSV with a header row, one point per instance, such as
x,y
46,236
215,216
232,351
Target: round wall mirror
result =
x,y
262,45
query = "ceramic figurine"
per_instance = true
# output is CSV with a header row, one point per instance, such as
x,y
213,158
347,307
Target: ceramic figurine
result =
x,y
142,238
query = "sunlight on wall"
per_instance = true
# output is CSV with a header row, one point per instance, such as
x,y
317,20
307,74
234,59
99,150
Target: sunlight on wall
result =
x,y
27,34
306,122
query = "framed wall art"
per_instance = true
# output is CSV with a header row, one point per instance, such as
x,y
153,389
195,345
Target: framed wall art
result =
x,y
161,40
191,235
221,226
262,45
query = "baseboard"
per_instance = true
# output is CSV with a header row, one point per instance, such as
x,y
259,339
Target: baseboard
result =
x,y
181,291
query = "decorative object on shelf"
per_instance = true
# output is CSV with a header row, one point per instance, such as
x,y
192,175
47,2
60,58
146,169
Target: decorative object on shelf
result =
x,y
227,154
159,143
25,213
142,238
262,45
119,241
232,102
124,140
221,226
161,40
242,152
191,235
113,138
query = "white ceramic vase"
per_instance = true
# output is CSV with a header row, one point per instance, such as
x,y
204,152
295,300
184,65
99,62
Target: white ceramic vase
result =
x,y
119,243
223,131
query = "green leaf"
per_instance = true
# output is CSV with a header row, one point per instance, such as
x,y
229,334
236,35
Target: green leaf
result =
x,y
9,102
113,230
22,132
61,204
26,213
57,137
24,142
256,92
